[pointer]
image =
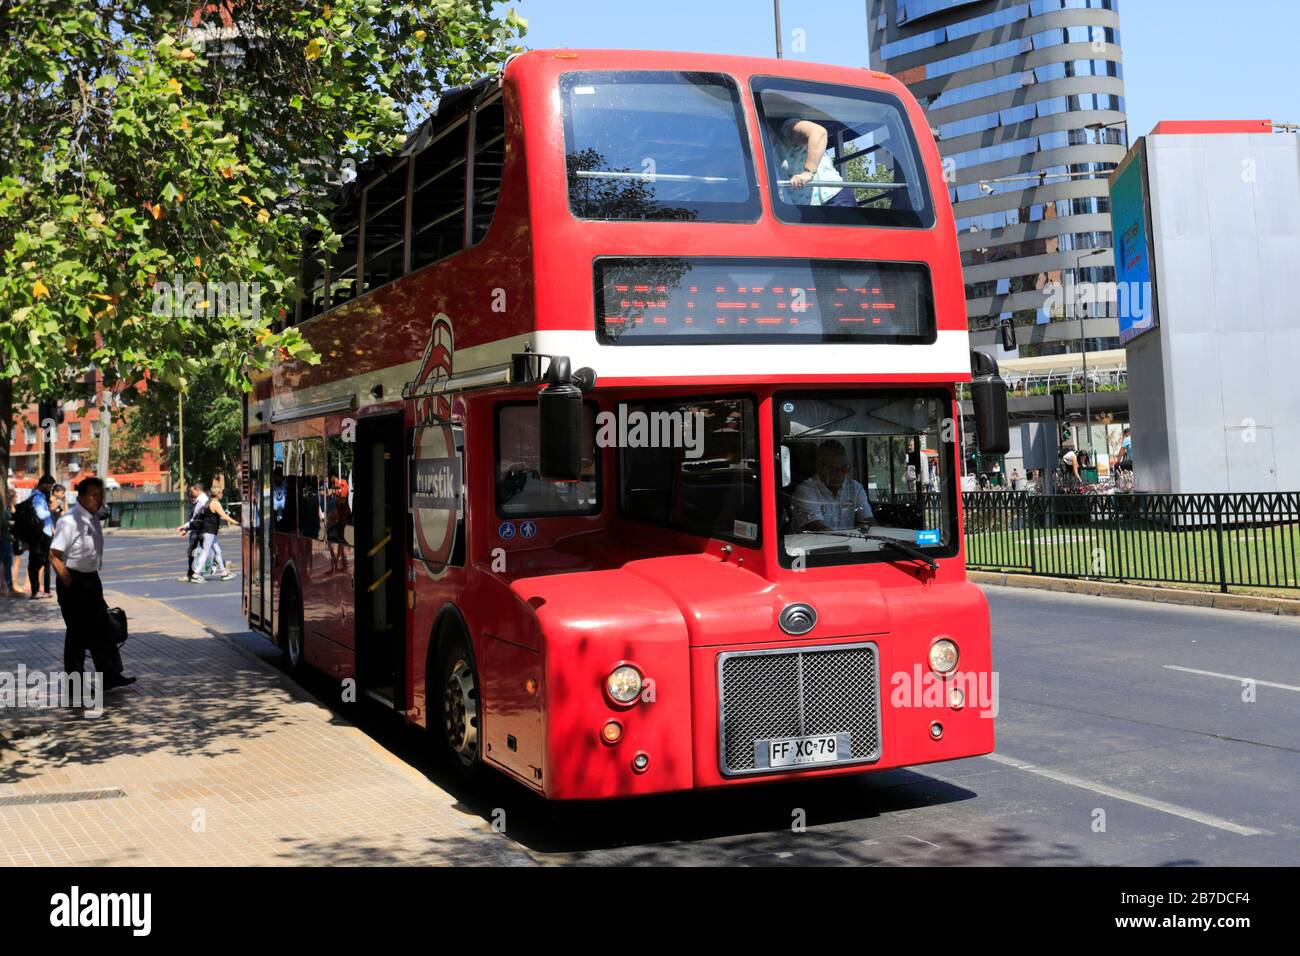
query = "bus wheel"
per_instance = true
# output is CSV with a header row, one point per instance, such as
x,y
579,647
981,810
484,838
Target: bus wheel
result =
x,y
460,708
291,632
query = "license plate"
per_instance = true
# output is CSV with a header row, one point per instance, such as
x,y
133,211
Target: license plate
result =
x,y
802,751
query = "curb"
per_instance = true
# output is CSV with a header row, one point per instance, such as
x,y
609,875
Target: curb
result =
x,y
1137,592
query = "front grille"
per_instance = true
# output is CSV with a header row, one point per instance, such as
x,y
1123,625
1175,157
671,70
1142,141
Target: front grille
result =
x,y
798,693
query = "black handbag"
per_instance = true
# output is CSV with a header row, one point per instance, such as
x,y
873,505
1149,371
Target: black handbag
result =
x,y
117,628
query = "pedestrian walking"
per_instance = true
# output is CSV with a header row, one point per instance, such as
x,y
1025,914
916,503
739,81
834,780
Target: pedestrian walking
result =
x,y
77,554
210,526
194,529
58,505
40,530
19,545
8,542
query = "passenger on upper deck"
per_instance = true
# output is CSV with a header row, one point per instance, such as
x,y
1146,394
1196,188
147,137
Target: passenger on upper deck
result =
x,y
830,501
801,152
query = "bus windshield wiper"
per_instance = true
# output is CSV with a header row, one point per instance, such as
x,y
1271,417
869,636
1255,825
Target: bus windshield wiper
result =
x,y
913,552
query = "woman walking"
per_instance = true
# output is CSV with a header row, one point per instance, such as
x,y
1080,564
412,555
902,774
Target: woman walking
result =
x,y
212,519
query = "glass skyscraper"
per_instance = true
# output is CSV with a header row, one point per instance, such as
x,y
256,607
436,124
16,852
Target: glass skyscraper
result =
x,y
1026,98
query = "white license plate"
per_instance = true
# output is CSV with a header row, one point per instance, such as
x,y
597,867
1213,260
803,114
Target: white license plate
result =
x,y
801,751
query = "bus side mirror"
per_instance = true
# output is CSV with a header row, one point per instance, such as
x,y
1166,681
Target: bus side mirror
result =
x,y
989,398
559,414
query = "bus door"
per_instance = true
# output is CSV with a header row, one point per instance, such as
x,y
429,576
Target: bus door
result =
x,y
258,531
380,579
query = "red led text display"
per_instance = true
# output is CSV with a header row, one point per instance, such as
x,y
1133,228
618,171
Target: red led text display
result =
x,y
661,300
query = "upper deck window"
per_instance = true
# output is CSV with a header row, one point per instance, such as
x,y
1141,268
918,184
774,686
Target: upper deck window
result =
x,y
643,145
841,155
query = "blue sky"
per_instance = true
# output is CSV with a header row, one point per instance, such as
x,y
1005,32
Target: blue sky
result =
x,y
1183,59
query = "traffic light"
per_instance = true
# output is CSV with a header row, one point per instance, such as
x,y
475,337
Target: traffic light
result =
x,y
1008,335
1058,406
50,410
1065,433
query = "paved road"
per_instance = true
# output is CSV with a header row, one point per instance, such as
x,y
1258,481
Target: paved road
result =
x,y
1113,713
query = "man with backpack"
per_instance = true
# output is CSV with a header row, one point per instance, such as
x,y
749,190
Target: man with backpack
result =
x,y
35,527
76,554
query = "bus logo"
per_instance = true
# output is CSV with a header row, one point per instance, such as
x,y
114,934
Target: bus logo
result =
x,y
436,469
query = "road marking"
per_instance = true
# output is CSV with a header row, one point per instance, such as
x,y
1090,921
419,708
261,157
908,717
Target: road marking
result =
x,y
155,578
194,597
1239,680
1173,809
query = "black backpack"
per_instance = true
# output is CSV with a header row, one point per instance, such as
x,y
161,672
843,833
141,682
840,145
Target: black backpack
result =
x,y
27,526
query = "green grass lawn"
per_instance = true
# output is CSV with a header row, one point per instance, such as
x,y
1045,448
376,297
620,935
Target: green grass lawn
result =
x,y
1254,557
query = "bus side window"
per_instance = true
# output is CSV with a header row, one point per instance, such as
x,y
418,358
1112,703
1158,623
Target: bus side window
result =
x,y
438,198
312,289
519,489
311,498
489,162
385,239
338,509
284,488
343,264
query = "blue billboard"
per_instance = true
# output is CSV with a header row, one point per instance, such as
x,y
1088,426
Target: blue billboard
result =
x,y
1130,220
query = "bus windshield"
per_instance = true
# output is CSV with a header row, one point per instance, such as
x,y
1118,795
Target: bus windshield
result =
x,y
859,467
841,155
644,145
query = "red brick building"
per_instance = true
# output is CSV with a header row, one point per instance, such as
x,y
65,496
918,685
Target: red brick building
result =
x,y
76,448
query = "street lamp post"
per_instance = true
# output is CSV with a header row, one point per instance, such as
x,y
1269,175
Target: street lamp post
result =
x,y
1083,348
776,12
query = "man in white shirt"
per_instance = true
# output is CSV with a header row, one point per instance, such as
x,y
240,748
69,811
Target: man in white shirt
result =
x,y
76,554
830,500
194,528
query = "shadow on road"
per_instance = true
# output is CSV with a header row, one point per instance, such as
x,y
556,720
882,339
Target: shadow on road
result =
x,y
847,821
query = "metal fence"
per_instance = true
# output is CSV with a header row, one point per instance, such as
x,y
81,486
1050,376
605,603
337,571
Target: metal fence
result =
x,y
154,515
1241,540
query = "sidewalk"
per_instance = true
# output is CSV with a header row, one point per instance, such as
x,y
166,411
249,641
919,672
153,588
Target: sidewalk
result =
x,y
211,758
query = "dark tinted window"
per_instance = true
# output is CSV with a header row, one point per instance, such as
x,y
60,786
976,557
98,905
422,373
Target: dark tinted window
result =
x,y
343,263
520,489
313,279
438,199
489,161
386,229
338,520
311,488
284,489
703,475
657,145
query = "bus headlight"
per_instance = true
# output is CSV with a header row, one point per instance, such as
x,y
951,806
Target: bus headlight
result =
x,y
943,656
623,685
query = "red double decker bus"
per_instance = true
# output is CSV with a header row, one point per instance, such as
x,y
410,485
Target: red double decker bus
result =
x,y
630,465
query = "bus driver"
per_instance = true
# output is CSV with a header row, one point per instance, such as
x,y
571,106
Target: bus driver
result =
x,y
829,500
